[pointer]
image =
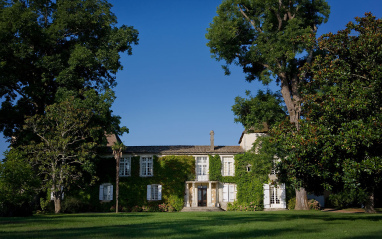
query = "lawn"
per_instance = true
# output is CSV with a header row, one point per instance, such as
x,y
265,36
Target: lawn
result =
x,y
281,224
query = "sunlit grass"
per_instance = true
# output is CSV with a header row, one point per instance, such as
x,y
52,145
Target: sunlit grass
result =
x,y
284,224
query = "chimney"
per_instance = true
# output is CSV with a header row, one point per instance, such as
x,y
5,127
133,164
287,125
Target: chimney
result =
x,y
212,140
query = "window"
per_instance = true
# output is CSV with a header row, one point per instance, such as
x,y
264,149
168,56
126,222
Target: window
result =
x,y
228,166
201,168
229,192
154,192
106,192
275,195
124,167
146,166
249,168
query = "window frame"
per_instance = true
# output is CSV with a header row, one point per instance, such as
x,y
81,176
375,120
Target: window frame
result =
x,y
154,192
202,168
146,166
228,166
108,188
122,169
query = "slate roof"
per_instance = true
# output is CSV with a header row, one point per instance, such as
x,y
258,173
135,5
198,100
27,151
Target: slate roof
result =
x,y
183,150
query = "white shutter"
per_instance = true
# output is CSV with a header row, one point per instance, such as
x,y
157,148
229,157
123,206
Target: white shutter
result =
x,y
51,194
101,192
267,201
225,167
148,192
283,195
225,193
159,192
231,192
110,192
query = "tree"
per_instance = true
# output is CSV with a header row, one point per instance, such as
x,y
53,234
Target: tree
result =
x,y
18,185
117,148
265,38
342,105
64,146
255,111
51,46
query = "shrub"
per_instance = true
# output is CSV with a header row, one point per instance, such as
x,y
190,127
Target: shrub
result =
x,y
246,207
314,204
175,203
136,209
73,205
292,203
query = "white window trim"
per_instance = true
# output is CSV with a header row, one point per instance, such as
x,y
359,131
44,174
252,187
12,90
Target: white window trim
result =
x,y
228,165
125,161
106,192
146,171
154,192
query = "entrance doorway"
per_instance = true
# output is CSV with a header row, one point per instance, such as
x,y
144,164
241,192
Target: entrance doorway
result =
x,y
202,196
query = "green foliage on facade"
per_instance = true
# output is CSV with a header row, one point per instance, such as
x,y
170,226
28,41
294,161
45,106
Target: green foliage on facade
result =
x,y
251,172
169,171
215,166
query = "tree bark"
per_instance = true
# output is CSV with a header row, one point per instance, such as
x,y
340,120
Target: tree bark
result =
x,y
301,200
117,182
289,91
369,204
57,204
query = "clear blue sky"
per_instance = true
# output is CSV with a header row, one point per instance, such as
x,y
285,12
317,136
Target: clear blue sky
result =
x,y
171,92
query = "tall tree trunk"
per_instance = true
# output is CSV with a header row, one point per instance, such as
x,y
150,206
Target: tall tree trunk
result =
x,y
301,200
369,204
291,96
57,204
117,183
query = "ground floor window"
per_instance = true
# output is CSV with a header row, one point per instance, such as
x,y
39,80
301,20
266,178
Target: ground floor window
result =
x,y
106,192
229,192
275,194
154,192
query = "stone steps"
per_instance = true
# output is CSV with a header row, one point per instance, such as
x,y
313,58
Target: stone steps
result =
x,y
202,209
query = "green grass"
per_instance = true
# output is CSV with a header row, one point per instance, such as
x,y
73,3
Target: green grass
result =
x,y
282,224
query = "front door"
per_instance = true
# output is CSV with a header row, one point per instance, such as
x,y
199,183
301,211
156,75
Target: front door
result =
x,y
202,196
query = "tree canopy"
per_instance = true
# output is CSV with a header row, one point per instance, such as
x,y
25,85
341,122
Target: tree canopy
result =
x,y
265,107
64,147
51,46
341,131
264,38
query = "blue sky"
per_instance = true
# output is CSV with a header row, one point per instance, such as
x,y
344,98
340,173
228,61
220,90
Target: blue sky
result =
x,y
171,92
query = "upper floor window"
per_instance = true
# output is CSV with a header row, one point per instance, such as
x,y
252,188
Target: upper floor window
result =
x,y
202,168
125,167
228,166
146,166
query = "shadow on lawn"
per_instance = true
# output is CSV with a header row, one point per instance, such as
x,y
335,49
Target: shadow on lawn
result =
x,y
196,225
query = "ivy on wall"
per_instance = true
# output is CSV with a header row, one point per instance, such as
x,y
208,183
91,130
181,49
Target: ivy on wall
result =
x,y
215,166
249,183
169,171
